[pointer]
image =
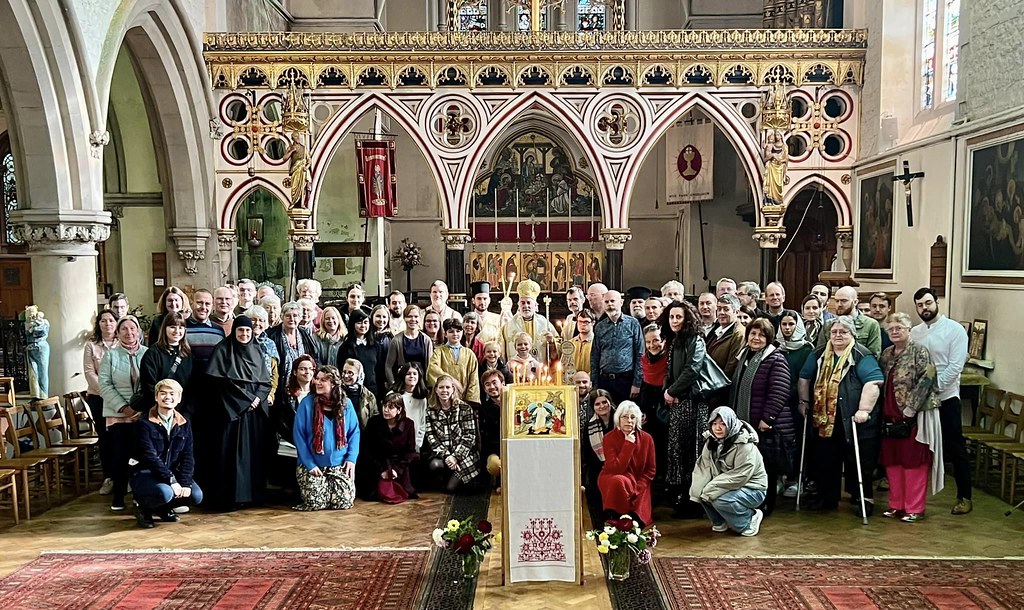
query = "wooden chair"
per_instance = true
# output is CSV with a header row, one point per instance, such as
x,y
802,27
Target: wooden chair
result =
x,y
57,422
999,451
1016,461
7,392
991,420
28,469
79,417
9,483
56,457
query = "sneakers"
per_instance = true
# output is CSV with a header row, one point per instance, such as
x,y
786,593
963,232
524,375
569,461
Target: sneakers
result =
x,y
143,518
893,513
724,527
755,524
170,517
962,506
107,488
181,510
912,517
117,505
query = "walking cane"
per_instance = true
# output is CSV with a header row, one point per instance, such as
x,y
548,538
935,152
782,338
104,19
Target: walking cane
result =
x,y
860,474
800,474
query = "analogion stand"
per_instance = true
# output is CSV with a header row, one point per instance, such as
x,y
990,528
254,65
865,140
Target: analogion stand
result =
x,y
541,495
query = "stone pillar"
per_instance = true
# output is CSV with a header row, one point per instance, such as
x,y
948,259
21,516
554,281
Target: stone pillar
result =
x,y
614,243
226,239
844,240
455,241
768,238
562,16
302,237
499,19
629,9
444,10
62,247
190,242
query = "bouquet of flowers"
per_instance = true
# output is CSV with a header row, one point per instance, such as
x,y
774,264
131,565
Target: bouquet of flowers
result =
x,y
409,255
618,538
470,539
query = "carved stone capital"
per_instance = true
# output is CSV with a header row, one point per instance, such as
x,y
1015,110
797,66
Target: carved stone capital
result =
x,y
191,259
455,239
97,140
769,237
226,239
303,239
615,239
63,233
844,235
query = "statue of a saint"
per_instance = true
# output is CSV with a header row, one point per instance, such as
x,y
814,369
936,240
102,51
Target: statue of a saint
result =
x,y
298,171
776,158
37,350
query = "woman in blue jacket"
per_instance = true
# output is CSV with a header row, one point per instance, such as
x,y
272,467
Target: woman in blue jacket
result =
x,y
326,437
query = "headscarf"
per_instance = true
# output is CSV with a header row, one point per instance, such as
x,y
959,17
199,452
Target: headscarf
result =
x,y
826,387
235,361
268,349
733,425
799,338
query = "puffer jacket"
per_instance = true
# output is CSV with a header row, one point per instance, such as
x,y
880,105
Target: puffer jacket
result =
x,y
738,465
769,392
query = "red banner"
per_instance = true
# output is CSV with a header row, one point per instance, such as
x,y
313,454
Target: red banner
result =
x,y
378,185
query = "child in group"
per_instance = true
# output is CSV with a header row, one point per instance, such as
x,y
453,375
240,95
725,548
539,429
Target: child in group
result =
x,y
162,476
456,360
729,479
523,366
492,361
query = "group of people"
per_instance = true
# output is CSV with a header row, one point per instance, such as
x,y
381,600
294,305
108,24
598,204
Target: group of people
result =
x,y
714,407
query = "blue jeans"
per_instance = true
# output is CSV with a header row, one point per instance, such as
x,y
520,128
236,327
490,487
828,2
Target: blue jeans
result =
x,y
734,508
153,494
38,355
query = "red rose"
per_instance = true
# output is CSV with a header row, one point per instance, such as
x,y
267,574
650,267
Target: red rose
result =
x,y
484,527
465,543
623,525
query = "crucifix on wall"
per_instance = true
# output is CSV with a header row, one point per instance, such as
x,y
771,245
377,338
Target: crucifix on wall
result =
x,y
907,178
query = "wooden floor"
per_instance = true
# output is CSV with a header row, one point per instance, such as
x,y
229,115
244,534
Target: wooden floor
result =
x,y
86,523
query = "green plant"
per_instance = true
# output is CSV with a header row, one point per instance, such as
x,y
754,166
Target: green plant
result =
x,y
625,532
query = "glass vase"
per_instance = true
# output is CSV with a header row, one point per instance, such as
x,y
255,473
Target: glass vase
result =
x,y
618,563
471,565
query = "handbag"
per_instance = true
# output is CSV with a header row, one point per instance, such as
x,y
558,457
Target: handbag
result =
x,y
774,451
710,380
390,491
898,429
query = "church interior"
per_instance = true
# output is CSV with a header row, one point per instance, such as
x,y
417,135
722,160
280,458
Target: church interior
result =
x,y
870,144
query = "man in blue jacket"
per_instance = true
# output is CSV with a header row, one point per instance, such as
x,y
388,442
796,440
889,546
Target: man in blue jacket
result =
x,y
162,475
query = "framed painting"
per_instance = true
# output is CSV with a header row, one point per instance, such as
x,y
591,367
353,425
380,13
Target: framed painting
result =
x,y
540,411
513,271
537,267
478,266
560,271
994,249
875,226
978,339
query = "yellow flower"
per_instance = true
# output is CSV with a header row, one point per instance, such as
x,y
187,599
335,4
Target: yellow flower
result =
x,y
497,538
602,549
602,536
453,525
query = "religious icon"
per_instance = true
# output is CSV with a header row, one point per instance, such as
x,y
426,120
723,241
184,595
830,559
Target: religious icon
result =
x,y
541,410
560,277
537,267
594,269
478,266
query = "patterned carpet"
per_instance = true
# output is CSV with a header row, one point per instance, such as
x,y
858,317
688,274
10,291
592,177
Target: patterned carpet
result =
x,y
842,584
232,580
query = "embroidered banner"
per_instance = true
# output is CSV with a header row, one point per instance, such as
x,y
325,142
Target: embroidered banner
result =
x,y
377,180
690,158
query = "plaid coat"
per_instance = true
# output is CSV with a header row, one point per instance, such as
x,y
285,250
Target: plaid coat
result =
x,y
454,432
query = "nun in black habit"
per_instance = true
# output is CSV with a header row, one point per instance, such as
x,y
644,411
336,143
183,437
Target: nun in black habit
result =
x,y
238,429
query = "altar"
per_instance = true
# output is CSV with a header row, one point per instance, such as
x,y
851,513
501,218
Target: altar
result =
x,y
541,494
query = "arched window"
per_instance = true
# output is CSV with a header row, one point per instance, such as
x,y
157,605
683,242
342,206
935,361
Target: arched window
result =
x,y
940,51
523,19
590,15
473,16
9,185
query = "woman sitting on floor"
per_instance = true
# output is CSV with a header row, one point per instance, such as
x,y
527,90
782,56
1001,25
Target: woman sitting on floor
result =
x,y
452,436
629,467
389,448
326,439
729,479
162,478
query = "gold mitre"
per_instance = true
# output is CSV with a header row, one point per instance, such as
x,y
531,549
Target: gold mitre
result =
x,y
529,289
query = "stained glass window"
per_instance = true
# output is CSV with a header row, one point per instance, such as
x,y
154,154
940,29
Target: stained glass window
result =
x,y
928,34
590,16
10,194
951,42
523,19
473,18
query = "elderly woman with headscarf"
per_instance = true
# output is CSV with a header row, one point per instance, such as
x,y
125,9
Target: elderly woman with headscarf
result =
x,y
911,432
326,437
759,395
120,378
796,347
629,467
729,479
841,381
236,420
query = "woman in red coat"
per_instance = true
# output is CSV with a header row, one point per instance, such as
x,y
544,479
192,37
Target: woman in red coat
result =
x,y
629,467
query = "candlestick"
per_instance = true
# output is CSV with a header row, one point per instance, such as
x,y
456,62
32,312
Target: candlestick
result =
x,y
517,216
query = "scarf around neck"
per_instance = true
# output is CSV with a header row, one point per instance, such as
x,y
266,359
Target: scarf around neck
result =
x,y
826,387
743,380
319,404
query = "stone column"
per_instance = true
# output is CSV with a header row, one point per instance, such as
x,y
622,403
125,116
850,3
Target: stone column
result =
x,y
844,240
444,8
629,10
302,238
226,239
455,241
614,243
562,14
769,238
62,247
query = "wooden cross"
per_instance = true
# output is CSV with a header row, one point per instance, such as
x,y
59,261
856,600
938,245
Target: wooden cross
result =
x,y
907,178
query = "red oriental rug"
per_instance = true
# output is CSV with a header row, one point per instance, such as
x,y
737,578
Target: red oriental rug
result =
x,y
841,584
227,580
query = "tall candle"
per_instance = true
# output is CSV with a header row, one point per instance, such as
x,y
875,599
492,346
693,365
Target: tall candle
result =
x,y
517,216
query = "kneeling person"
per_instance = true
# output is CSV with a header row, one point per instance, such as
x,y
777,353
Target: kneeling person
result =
x,y
162,478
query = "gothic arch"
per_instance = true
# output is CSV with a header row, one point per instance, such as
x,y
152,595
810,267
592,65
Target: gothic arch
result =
x,y
241,192
839,198
735,128
333,133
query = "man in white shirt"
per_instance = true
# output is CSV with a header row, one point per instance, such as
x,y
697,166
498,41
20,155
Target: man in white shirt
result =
x,y
946,341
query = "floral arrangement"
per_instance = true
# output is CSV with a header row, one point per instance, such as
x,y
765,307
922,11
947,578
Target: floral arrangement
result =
x,y
621,535
409,255
470,539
